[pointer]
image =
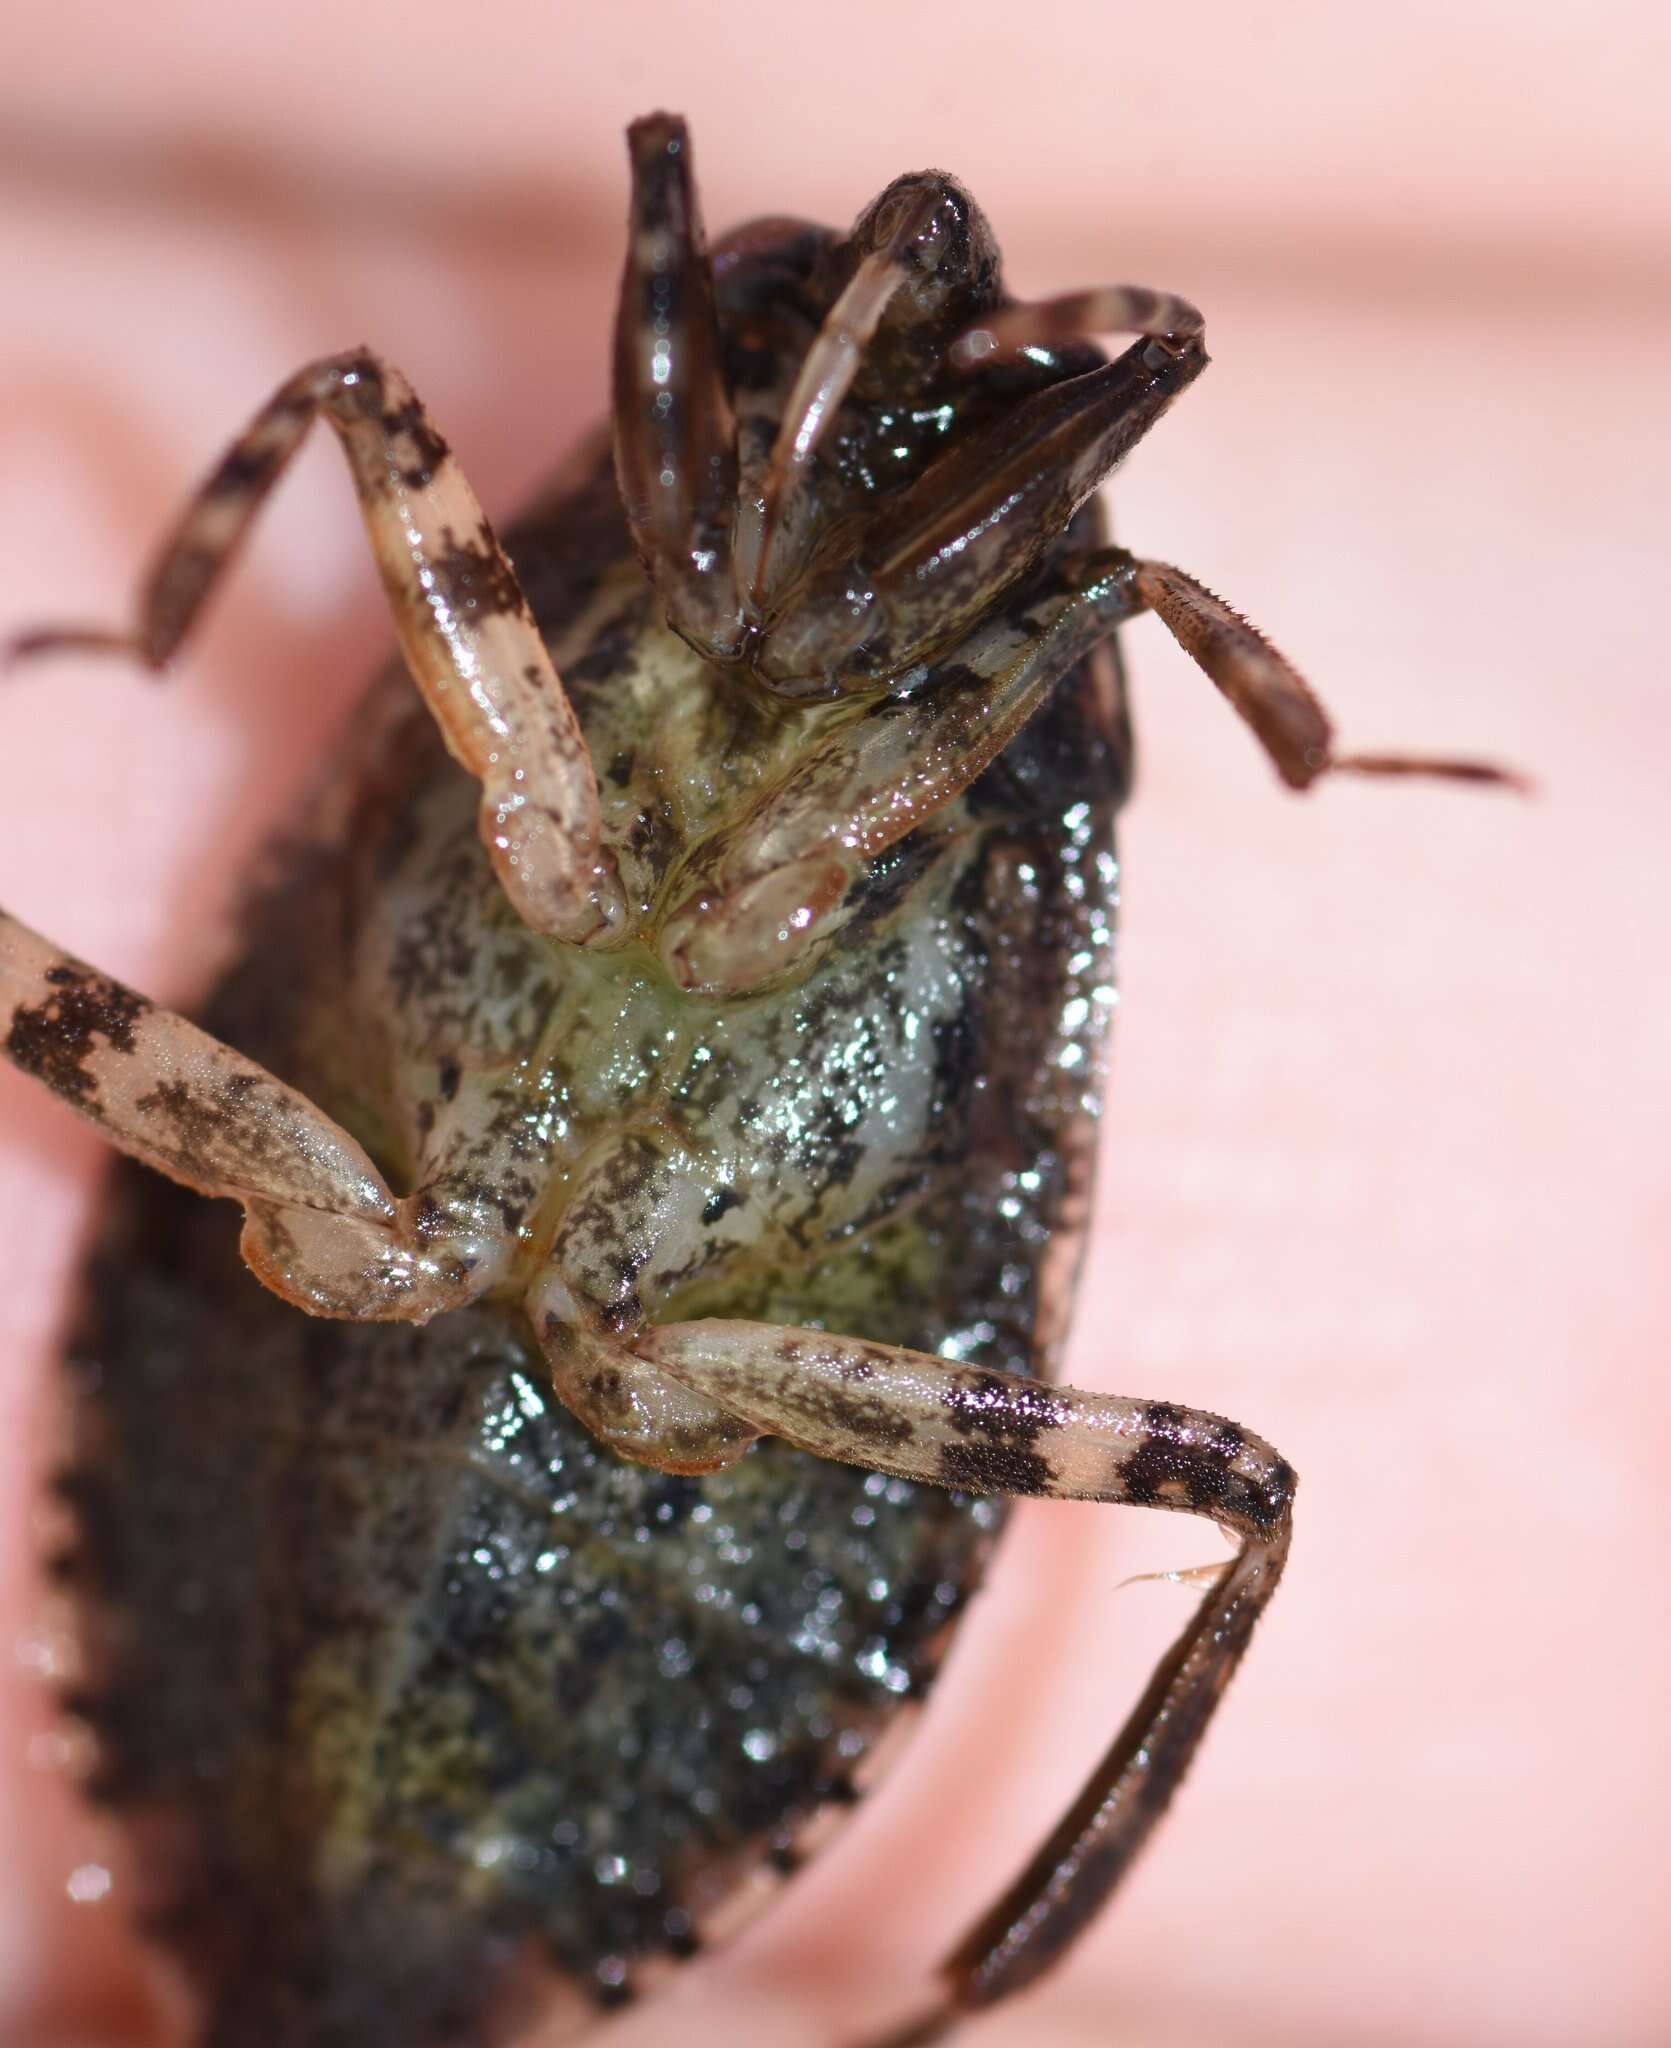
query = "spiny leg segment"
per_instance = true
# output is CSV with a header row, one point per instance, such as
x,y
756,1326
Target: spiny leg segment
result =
x,y
1268,692
1263,687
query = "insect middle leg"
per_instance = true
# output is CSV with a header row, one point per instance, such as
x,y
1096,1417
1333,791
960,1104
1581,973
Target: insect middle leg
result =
x,y
464,626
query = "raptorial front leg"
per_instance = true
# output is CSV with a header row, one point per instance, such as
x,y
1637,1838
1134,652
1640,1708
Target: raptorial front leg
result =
x,y
937,554
464,627
775,885
322,1227
920,1417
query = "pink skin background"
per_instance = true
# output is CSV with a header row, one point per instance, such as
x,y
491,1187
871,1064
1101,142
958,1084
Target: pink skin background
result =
x,y
1386,1162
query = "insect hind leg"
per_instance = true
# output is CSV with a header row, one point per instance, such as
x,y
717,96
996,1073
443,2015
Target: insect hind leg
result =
x,y
921,1417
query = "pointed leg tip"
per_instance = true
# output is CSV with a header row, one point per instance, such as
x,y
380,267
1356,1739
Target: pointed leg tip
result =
x,y
42,642
1484,774
1510,780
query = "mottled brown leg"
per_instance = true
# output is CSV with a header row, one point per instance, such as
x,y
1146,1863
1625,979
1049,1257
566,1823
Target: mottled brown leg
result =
x,y
675,437
322,1227
762,894
765,892
464,626
919,1417
1269,692
1074,316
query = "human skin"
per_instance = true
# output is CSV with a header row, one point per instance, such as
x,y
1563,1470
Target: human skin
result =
x,y
1384,1174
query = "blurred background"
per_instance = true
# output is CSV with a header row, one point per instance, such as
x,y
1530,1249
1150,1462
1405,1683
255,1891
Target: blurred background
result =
x,y
1386,1166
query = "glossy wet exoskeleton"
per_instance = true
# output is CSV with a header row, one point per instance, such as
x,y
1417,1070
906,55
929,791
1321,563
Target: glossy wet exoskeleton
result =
x,y
677,1024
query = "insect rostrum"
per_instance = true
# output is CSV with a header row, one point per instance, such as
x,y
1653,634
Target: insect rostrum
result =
x,y
659,1086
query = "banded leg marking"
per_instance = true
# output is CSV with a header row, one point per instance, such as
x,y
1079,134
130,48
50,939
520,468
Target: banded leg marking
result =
x,y
322,1227
1075,316
919,1417
464,626
171,1095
